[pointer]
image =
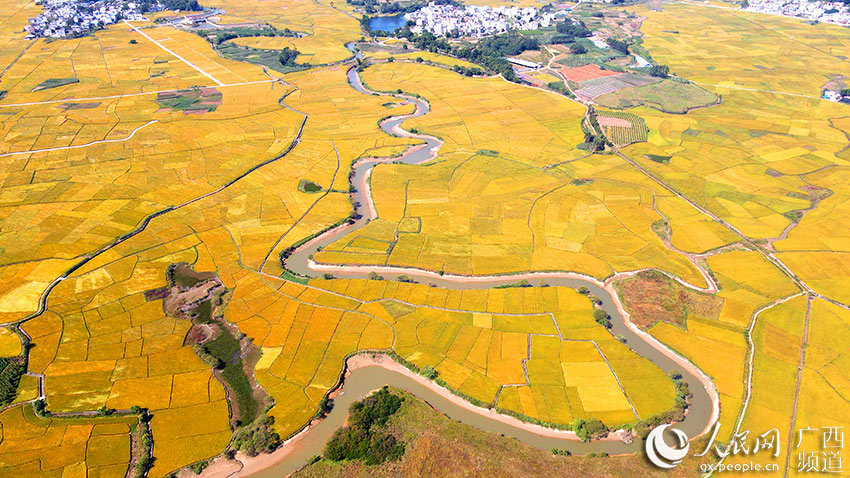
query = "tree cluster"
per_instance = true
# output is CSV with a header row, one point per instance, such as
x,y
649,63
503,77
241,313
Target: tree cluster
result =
x,y
618,45
389,8
366,438
467,71
575,30
183,5
256,438
488,52
660,71
589,429
288,55
602,318
578,49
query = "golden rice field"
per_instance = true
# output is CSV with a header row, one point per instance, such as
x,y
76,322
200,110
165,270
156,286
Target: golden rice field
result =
x,y
10,343
87,161
754,168
328,27
61,447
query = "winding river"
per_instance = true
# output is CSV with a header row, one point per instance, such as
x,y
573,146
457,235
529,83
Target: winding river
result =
x,y
702,413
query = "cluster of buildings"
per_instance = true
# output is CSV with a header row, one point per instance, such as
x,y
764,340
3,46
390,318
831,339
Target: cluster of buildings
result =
x,y
472,21
70,18
833,12
835,96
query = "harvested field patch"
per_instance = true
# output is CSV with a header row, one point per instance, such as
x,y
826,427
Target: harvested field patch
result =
x,y
652,297
586,72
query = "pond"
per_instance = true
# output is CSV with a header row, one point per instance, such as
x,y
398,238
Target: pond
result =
x,y
387,23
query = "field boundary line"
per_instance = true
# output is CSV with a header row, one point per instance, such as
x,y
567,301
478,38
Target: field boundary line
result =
x,y
127,95
197,68
77,146
801,365
744,88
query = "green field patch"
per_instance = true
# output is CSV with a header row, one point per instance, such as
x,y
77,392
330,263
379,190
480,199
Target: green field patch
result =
x,y
658,158
307,186
11,370
192,100
54,83
669,96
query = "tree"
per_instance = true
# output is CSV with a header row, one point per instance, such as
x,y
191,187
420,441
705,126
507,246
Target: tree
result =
x,y
326,405
577,49
618,45
589,429
568,28
845,92
288,56
660,71
429,372
602,318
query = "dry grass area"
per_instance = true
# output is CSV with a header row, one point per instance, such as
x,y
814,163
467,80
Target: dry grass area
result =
x,y
438,446
653,297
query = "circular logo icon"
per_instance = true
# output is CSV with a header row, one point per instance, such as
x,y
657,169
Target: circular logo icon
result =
x,y
661,454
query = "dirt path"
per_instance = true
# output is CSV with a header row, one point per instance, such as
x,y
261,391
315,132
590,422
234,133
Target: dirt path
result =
x,y
76,146
175,55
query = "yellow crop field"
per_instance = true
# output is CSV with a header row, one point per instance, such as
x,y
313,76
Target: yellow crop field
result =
x,y
472,198
10,343
34,446
327,28
124,158
777,337
425,56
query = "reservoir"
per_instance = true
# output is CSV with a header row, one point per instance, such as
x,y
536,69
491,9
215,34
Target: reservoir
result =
x,y
387,23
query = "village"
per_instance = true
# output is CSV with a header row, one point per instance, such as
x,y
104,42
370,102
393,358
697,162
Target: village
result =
x,y
472,21
830,12
71,18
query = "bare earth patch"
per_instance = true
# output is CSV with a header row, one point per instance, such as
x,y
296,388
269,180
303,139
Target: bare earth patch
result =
x,y
609,121
651,297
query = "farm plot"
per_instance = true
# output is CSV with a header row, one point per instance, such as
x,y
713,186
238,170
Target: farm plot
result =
x,y
327,28
34,447
622,128
666,95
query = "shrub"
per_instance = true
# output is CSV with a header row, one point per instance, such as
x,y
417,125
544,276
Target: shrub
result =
x,y
257,438
660,71
577,49
602,318
618,45
589,429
